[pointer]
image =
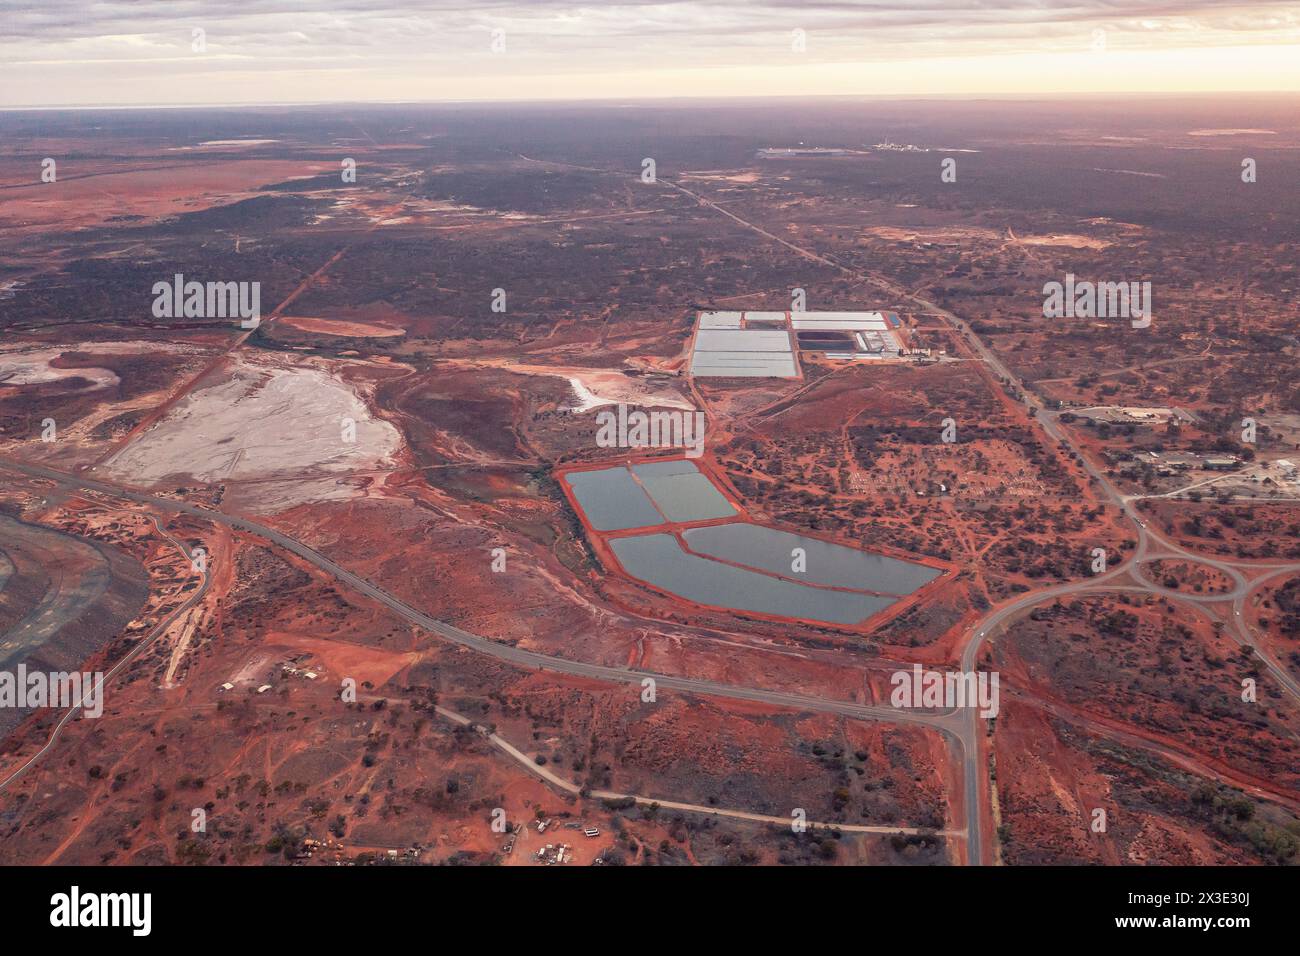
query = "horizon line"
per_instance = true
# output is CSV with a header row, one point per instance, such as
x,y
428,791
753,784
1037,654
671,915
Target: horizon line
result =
x,y
699,99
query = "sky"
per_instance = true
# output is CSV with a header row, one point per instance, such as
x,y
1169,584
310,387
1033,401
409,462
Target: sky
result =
x,y
142,52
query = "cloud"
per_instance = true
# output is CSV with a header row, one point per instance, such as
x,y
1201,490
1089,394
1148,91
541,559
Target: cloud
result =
x,y
58,44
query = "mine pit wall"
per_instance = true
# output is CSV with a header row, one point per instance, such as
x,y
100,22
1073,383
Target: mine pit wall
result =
x,y
64,600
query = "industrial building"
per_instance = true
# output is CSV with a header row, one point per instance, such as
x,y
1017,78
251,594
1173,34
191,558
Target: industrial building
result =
x,y
725,351
842,321
765,344
720,320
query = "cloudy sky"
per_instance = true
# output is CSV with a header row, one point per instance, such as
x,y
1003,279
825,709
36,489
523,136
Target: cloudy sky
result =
x,y
76,52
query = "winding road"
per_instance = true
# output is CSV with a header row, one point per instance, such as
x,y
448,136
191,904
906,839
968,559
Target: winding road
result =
x,y
961,727
1246,576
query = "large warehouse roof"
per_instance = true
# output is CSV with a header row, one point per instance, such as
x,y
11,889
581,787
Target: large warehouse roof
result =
x,y
745,353
747,340
719,320
743,364
839,321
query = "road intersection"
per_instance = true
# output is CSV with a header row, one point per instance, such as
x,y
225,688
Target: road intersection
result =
x,y
960,727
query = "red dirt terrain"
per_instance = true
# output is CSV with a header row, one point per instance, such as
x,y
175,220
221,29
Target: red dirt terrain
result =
x,y
399,431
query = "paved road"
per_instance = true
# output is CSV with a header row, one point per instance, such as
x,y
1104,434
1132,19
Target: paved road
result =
x,y
1150,544
946,723
961,728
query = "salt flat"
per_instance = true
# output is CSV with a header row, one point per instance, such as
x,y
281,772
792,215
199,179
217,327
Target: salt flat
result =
x,y
258,423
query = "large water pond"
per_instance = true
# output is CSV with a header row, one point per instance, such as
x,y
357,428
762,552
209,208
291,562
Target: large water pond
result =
x,y
681,492
828,564
612,500
659,560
